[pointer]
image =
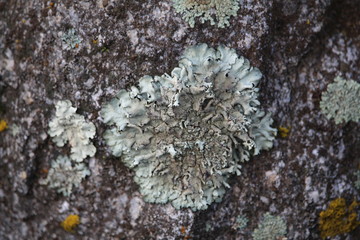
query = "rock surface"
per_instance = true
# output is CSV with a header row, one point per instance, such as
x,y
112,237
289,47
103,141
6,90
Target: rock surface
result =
x,y
300,46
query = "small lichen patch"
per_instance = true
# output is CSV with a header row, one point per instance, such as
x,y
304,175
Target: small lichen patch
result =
x,y
270,228
357,181
208,227
70,223
23,175
71,39
283,131
206,9
240,223
341,101
14,130
63,175
338,218
67,126
3,125
184,134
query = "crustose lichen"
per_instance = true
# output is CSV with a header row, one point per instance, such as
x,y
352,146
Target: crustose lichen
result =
x,y
184,134
3,125
70,222
338,218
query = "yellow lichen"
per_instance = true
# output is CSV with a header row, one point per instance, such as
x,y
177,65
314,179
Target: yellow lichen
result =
x,y
3,125
338,218
70,223
284,131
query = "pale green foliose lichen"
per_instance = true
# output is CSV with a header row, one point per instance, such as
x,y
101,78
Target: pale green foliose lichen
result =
x,y
206,9
68,126
271,228
341,101
71,39
185,133
63,175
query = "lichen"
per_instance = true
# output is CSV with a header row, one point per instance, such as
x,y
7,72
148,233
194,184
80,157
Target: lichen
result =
x,y
15,129
338,218
64,175
70,222
184,134
205,9
283,132
208,227
270,228
240,223
67,126
71,39
357,181
3,125
341,101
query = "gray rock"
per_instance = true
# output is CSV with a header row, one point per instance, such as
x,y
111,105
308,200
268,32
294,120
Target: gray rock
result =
x,y
299,46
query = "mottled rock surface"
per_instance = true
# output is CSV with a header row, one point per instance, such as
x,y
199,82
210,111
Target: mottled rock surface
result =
x,y
299,45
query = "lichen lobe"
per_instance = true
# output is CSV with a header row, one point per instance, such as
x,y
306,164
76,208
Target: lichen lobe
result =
x,y
68,126
184,134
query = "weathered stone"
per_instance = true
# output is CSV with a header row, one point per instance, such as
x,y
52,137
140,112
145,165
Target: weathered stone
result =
x,y
299,46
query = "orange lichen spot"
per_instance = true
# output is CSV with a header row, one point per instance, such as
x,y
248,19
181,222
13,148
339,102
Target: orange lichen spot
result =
x,y
51,4
70,223
338,218
44,170
95,41
183,230
76,45
284,131
3,125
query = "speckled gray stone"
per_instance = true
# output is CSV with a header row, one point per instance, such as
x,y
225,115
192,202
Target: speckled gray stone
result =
x,y
299,46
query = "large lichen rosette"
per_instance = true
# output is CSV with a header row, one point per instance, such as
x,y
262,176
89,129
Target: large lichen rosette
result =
x,y
184,134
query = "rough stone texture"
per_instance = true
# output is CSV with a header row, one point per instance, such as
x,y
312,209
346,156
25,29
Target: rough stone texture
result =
x,y
299,45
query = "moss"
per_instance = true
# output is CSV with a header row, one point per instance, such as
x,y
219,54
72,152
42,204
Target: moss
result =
x,y
338,218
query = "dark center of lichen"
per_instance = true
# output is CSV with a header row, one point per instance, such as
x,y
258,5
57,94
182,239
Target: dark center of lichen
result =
x,y
198,144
